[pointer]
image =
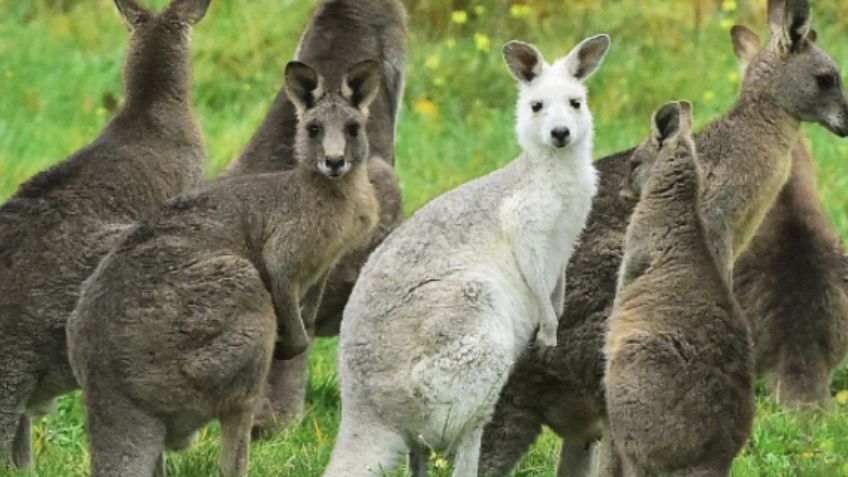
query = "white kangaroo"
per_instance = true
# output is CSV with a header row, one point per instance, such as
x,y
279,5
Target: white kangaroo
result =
x,y
445,306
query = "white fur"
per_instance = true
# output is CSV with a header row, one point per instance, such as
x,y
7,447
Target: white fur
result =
x,y
447,304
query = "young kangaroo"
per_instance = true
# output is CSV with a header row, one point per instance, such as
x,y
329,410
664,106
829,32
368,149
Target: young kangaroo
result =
x,y
562,388
177,326
60,223
791,281
679,374
449,301
341,33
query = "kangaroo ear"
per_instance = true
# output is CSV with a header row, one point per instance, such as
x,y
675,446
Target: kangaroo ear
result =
x,y
665,124
687,117
523,60
304,86
133,13
189,11
361,84
586,57
746,43
789,21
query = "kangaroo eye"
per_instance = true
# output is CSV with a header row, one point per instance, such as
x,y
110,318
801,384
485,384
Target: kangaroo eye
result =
x,y
575,103
826,81
352,130
314,130
536,106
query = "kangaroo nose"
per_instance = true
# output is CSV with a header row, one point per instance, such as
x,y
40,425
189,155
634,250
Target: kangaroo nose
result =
x,y
334,164
560,136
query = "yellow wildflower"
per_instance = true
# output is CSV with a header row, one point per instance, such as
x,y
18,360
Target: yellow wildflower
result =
x,y
729,5
432,62
733,77
439,81
460,17
842,398
451,43
482,42
479,10
709,95
520,11
726,24
441,463
425,107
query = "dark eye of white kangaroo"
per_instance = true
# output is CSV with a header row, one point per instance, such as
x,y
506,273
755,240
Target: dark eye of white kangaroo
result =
x,y
575,103
314,130
352,129
536,106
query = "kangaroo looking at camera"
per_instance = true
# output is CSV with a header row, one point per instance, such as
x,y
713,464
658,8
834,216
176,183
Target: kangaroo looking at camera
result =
x,y
679,374
59,224
790,81
791,281
449,301
340,33
177,326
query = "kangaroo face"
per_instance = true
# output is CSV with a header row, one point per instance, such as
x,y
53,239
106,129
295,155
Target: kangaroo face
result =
x,y
552,110
792,69
330,136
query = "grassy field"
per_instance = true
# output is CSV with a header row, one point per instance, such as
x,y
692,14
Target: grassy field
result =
x,y
60,71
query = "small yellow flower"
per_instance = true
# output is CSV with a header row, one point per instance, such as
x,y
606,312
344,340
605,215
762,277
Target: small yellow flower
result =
x,y
733,77
709,95
729,5
460,17
520,11
451,43
425,107
439,81
482,42
441,463
247,87
842,398
479,10
432,62
726,24
807,455
826,445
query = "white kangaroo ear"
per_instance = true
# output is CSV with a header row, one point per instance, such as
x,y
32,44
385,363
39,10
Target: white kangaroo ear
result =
x,y
304,86
133,13
665,125
586,57
524,60
361,83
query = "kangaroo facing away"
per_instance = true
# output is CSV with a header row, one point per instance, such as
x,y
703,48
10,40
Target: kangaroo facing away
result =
x,y
562,388
340,33
177,326
679,375
60,223
792,281
449,301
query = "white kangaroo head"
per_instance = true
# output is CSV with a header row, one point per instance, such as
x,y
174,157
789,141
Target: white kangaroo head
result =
x,y
552,110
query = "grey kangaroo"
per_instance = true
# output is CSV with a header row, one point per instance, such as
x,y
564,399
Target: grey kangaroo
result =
x,y
679,375
60,223
792,281
178,324
341,33
563,388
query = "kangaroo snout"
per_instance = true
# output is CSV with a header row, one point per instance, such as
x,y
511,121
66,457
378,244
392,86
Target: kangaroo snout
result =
x,y
560,136
334,166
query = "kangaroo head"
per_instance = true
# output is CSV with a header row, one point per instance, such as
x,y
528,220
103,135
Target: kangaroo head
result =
x,y
792,69
552,110
668,154
330,136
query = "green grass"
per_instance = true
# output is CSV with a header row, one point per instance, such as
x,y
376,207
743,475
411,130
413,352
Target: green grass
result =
x,y
60,61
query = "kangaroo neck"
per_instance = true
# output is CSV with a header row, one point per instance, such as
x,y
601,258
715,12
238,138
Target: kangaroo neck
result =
x,y
157,78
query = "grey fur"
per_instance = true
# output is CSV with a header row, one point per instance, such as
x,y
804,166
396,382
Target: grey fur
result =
x,y
562,388
340,33
679,375
177,326
60,223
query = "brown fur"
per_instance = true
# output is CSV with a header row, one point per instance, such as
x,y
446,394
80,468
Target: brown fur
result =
x,y
177,326
340,33
679,377
60,223
562,388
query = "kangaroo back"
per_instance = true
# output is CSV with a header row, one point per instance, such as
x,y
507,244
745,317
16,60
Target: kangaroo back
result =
x,y
340,34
